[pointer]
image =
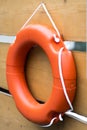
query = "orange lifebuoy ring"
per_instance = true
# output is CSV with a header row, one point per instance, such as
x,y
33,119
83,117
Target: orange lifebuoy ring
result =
x,y
27,105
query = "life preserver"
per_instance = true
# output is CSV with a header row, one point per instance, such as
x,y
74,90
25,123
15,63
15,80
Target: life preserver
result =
x,y
27,105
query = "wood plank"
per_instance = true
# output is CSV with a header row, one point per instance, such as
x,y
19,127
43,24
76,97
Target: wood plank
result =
x,y
11,119
39,74
3,55
69,16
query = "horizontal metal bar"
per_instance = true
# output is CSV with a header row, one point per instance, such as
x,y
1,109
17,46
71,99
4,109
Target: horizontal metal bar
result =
x,y
76,46
7,39
5,91
70,45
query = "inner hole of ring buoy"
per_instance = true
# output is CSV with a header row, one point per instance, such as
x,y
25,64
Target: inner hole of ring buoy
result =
x,y
38,74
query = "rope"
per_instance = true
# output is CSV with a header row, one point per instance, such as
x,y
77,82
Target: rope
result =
x,y
69,112
51,122
47,13
62,79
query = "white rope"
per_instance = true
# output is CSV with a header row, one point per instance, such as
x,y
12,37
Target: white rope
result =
x,y
69,112
62,79
47,13
31,16
51,122
51,20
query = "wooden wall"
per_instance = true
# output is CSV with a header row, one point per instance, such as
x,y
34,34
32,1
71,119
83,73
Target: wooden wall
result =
x,y
70,19
69,16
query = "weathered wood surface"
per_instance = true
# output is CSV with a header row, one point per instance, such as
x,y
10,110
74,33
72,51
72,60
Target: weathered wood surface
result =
x,y
68,15
11,119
